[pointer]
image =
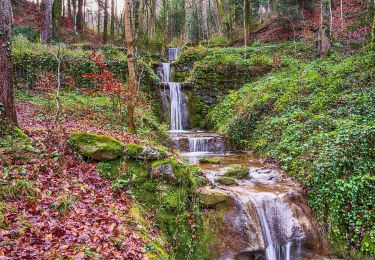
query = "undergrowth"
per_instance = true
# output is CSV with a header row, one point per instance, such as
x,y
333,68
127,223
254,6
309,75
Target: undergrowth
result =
x,y
318,120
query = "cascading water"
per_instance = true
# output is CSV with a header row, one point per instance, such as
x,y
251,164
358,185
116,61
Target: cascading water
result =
x,y
177,106
166,72
173,54
277,223
267,218
177,98
197,144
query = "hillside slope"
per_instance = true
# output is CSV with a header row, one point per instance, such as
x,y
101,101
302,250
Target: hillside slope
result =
x,y
318,120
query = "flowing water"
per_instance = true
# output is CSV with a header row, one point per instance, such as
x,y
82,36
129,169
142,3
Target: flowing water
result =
x,y
177,99
267,217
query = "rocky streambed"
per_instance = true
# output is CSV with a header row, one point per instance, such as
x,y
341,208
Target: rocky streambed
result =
x,y
254,211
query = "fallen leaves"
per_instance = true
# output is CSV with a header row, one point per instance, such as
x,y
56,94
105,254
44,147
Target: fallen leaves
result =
x,y
93,223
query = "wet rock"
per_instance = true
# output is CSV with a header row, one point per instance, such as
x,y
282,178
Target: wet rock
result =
x,y
238,172
211,197
164,171
96,147
210,160
226,181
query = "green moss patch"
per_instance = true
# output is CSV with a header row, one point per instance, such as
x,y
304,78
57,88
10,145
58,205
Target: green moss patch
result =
x,y
226,181
237,172
210,160
96,147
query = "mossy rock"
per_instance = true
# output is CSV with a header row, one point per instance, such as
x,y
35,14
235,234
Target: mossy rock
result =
x,y
164,171
227,181
136,151
212,160
210,197
110,169
238,172
96,147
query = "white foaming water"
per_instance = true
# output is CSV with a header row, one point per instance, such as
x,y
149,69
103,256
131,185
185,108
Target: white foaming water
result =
x,y
166,73
176,97
173,54
197,144
276,219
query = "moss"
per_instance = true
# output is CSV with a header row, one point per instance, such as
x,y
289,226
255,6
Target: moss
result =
x,y
213,160
226,181
211,197
157,247
237,172
210,241
110,169
97,147
133,150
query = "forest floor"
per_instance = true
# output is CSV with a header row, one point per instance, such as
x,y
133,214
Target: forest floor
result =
x,y
55,204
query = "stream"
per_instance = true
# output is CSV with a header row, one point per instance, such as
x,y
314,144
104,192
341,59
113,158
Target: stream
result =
x,y
266,216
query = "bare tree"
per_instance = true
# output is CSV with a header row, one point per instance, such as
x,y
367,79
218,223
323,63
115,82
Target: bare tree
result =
x,y
131,66
46,34
7,107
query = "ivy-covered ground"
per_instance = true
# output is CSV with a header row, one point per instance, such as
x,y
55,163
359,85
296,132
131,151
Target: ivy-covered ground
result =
x,y
318,119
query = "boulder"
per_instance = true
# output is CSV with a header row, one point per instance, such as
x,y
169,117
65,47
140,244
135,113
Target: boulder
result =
x,y
96,147
238,172
227,181
164,171
140,152
212,160
211,197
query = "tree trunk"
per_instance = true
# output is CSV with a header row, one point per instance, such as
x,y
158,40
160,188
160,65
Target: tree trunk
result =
x,y
131,67
7,107
69,7
105,22
80,21
46,35
246,21
56,17
112,31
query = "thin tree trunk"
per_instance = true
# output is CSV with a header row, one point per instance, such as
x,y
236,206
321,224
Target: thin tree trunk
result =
x,y
112,31
7,107
69,6
46,35
99,16
131,67
341,15
105,22
245,21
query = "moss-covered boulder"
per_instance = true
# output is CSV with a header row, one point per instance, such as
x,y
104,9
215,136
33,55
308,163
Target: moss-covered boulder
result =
x,y
164,171
227,181
238,172
211,197
96,147
140,152
212,160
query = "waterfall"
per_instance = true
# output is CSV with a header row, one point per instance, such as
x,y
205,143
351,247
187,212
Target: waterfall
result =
x,y
177,106
178,111
166,72
277,223
173,54
199,144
